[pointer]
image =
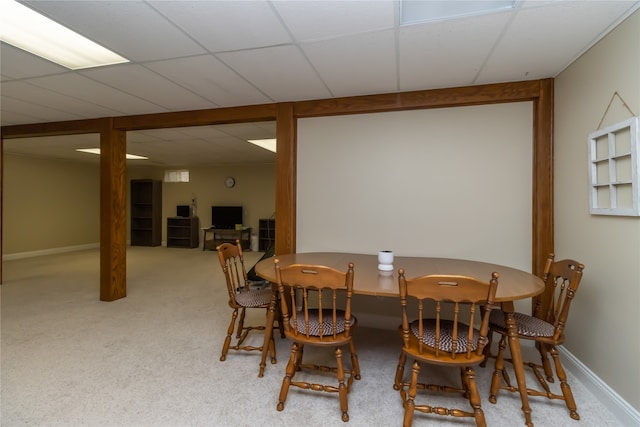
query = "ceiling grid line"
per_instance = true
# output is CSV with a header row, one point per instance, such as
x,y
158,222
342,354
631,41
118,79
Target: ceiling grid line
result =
x,y
197,55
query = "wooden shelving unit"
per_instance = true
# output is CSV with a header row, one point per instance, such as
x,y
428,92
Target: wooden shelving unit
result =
x,y
146,212
182,232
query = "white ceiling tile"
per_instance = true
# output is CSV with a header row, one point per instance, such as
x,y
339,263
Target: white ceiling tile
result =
x,y
203,145
162,135
14,117
130,28
522,4
82,88
314,19
234,145
281,72
201,132
143,83
60,147
35,95
268,127
253,23
211,79
19,64
447,53
143,136
246,131
538,53
356,65
29,112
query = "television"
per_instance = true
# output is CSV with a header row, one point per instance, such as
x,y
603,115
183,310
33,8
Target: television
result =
x,y
183,210
226,217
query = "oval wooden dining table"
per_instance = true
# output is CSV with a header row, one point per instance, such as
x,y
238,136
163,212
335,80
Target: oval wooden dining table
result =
x,y
513,285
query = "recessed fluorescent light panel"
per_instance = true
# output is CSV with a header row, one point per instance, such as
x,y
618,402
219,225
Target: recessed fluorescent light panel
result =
x,y
415,11
97,151
26,29
267,144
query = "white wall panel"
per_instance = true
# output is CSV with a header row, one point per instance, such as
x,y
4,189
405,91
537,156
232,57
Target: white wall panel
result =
x,y
452,182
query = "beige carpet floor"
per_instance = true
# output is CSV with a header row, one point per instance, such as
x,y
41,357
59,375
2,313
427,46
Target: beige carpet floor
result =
x,y
152,358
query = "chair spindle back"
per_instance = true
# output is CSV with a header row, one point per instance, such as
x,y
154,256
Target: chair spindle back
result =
x,y
460,304
562,279
313,290
232,263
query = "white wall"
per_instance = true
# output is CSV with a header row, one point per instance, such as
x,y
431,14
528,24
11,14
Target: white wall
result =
x,y
603,325
49,203
452,182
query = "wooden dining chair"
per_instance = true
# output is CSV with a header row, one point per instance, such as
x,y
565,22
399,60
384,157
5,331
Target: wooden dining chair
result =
x,y
243,296
450,331
316,311
546,327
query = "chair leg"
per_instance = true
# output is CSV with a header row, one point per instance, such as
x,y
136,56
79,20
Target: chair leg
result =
x,y
397,383
278,317
546,365
474,396
410,404
241,323
497,372
272,350
464,378
355,364
289,373
487,349
342,387
564,385
227,340
272,342
300,354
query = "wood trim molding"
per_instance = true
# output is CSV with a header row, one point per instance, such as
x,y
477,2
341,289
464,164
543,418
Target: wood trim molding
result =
x,y
73,127
435,98
543,206
113,169
250,113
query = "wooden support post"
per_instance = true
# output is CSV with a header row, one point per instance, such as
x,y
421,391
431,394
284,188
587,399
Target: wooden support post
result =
x,y
113,225
286,125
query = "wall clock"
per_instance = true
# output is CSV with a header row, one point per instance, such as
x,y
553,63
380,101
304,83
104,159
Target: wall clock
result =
x,y
229,182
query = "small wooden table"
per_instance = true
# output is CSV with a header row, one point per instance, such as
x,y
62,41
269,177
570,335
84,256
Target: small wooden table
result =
x,y
222,235
368,280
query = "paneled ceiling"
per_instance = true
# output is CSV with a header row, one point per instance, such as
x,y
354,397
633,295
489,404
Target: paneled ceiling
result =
x,y
187,55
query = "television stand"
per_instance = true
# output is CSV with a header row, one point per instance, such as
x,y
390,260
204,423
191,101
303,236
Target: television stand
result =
x,y
217,236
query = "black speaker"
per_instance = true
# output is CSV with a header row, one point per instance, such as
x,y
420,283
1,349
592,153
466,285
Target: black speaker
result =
x,y
183,210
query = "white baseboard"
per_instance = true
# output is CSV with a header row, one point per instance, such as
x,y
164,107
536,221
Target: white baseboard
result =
x,y
20,255
626,413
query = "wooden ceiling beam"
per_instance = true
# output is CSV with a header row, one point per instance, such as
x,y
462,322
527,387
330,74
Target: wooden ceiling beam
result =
x,y
422,99
244,114
72,127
